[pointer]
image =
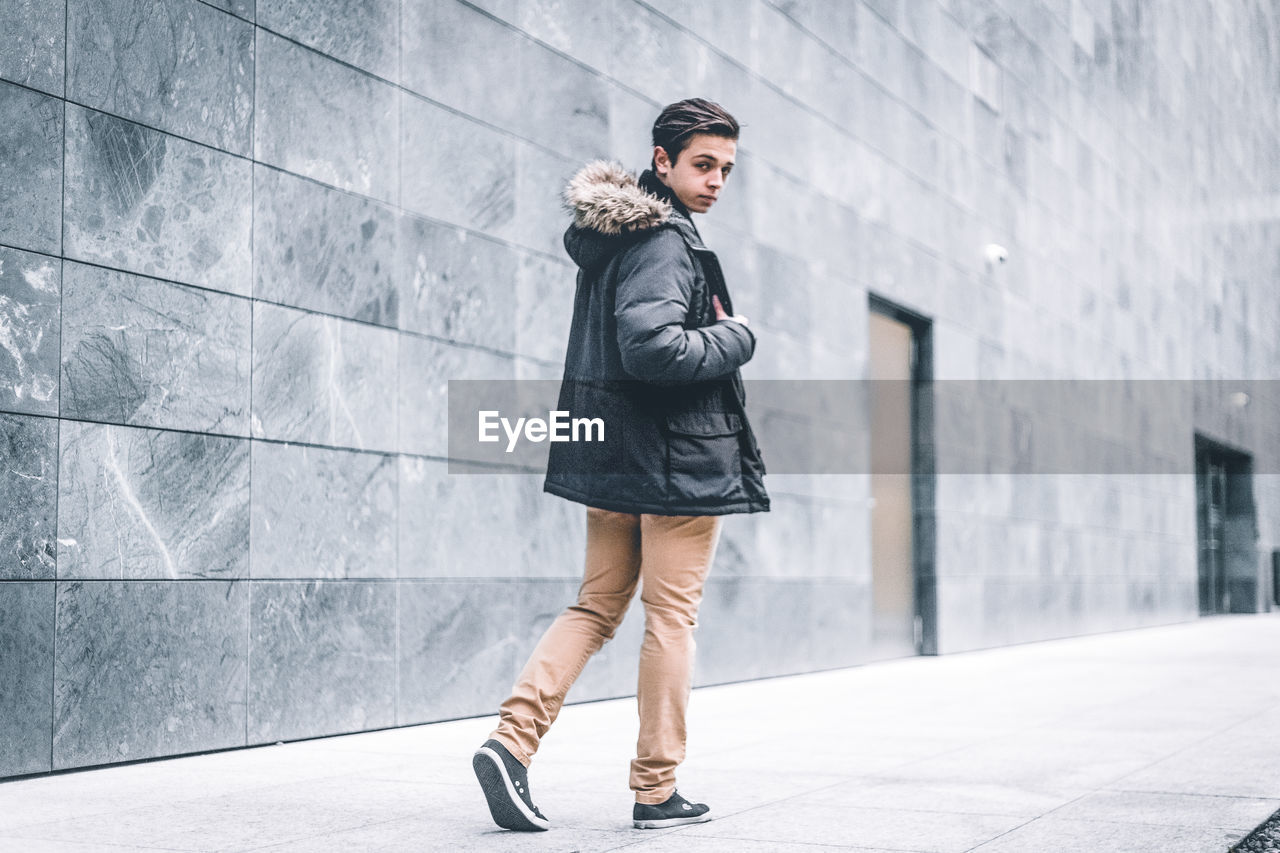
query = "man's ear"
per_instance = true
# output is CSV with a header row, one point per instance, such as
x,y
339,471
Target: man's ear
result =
x,y
660,158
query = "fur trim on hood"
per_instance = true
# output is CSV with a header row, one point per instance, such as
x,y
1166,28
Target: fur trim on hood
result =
x,y
605,197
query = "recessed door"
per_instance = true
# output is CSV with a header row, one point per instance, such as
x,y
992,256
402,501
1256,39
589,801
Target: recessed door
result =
x,y
1227,530
891,347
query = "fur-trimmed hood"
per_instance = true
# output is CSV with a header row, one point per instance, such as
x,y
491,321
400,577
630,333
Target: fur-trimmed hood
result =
x,y
605,197
610,207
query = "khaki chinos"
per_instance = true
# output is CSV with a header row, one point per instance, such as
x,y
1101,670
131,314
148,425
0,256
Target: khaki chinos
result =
x,y
670,556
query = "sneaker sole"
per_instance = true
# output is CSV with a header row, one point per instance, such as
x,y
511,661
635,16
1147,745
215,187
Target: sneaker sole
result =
x,y
508,810
670,821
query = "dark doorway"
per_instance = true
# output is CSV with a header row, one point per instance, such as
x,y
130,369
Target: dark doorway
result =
x,y
1226,529
903,586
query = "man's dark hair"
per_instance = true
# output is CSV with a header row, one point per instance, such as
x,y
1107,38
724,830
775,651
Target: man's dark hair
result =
x,y
678,122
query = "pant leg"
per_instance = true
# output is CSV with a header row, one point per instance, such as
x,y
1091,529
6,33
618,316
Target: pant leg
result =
x,y
608,583
677,555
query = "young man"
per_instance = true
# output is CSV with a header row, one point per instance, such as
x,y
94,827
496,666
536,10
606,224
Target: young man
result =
x,y
654,350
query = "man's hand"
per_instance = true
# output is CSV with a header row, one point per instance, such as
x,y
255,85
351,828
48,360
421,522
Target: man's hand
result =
x,y
721,314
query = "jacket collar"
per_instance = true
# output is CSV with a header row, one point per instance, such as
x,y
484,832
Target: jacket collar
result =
x,y
680,216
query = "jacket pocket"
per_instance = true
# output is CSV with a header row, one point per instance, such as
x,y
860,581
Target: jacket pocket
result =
x,y
704,456
704,423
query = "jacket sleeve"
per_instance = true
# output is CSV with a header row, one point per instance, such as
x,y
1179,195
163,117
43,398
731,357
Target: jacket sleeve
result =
x,y
655,283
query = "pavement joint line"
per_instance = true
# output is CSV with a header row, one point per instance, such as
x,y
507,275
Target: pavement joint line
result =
x,y
1118,703
297,838
1275,800
1118,822
646,839
1019,826
816,844
235,791
102,844
460,822
1199,742
931,811
1125,776
947,752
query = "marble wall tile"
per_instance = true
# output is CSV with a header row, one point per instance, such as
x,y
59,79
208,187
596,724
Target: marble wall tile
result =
x,y
738,623
787,530
725,24
579,28
477,164
544,306
459,642
730,643
459,525
242,8
323,658
455,284
453,54
958,600
364,34
426,366
148,668
324,120
842,538
649,56
147,503
323,249
32,43
838,626
145,352
139,200
176,65
29,494
811,626
320,513
322,380
30,320
541,219
552,531
26,670
547,373
630,125
737,555
565,107
790,305
30,170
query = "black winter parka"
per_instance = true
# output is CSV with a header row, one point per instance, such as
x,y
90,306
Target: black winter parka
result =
x,y
647,357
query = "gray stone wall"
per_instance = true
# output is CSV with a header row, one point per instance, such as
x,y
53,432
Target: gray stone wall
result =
x,y
244,245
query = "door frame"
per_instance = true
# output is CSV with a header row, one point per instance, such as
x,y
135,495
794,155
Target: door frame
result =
x,y
1238,496
923,476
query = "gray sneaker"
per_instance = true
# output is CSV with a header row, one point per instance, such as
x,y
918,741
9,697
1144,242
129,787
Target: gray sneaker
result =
x,y
505,783
674,812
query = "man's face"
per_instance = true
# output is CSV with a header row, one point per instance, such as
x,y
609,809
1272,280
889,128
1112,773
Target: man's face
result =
x,y
699,174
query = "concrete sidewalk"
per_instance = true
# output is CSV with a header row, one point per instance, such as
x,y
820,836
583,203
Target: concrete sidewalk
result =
x,y
1164,739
